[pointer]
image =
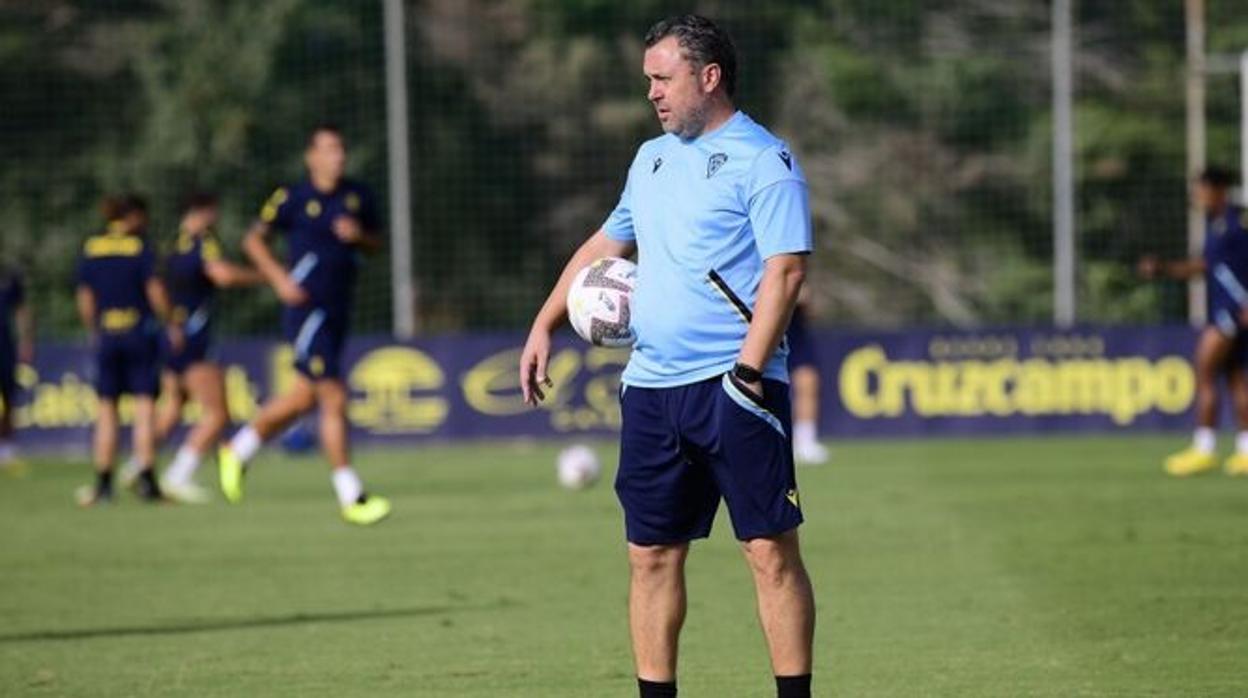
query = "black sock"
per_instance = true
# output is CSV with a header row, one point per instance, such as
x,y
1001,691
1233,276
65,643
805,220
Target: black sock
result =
x,y
148,486
104,481
654,689
793,686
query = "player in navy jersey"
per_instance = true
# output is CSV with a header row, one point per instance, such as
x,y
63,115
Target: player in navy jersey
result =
x,y
718,214
16,345
123,303
327,220
1222,349
194,269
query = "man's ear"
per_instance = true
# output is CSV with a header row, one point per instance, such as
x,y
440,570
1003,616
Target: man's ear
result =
x,y
711,75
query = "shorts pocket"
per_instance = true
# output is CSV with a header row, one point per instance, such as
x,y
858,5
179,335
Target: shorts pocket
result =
x,y
751,403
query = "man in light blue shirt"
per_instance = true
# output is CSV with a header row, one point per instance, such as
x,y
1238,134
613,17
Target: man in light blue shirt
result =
x,y
717,211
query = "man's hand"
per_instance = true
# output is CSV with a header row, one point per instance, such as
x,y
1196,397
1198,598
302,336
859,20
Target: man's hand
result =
x,y
26,352
1148,267
756,388
533,366
290,293
177,338
348,229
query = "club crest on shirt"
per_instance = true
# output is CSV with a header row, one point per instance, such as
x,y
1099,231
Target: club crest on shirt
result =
x,y
717,161
313,208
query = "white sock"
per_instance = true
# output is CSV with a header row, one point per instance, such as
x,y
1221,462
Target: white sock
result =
x,y
805,433
347,485
183,467
1241,442
246,443
1205,440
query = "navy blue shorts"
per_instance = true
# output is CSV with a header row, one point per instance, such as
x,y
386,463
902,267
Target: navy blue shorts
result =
x,y
127,364
197,348
683,448
8,371
318,338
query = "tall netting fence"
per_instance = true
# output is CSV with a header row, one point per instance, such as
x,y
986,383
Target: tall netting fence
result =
x,y
925,129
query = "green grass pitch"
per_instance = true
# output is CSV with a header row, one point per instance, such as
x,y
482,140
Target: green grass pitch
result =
x,y
1011,567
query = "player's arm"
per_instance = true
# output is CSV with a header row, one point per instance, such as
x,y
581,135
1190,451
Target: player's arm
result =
x,y
84,301
1152,267
158,299
555,310
353,231
24,321
256,247
783,277
225,274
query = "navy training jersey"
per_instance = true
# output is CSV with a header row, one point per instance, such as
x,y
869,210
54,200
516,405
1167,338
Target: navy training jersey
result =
x,y
12,296
190,289
116,266
1226,259
318,261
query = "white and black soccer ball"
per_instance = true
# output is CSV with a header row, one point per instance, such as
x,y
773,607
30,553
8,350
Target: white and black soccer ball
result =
x,y
599,302
577,467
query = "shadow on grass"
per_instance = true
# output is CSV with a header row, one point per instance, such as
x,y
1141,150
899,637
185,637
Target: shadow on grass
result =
x,y
208,625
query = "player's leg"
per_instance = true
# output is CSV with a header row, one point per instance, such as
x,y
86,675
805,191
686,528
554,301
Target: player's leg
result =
x,y
205,384
168,415
275,415
8,393
358,506
669,499
103,452
656,612
806,446
754,469
143,383
1237,383
786,602
1212,350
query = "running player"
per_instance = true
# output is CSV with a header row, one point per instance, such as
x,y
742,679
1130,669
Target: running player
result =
x,y
15,318
327,220
804,372
194,270
718,213
119,298
1222,349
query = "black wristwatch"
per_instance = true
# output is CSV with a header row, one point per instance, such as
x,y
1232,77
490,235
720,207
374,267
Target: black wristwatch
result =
x,y
747,374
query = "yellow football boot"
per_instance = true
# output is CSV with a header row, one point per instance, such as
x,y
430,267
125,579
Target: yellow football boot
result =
x,y
230,469
370,509
1237,464
1191,461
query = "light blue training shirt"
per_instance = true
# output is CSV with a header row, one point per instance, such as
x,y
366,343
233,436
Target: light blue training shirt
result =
x,y
705,214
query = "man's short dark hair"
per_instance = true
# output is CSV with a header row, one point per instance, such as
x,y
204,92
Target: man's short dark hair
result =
x,y
1217,177
323,127
703,43
198,200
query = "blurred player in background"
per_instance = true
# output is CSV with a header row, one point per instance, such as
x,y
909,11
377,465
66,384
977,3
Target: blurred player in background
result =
x,y
718,213
1222,349
17,345
328,220
121,302
805,377
194,270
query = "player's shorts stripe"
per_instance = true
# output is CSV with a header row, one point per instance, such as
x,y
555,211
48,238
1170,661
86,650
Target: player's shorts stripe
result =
x,y
1230,284
307,331
303,267
750,405
717,282
198,320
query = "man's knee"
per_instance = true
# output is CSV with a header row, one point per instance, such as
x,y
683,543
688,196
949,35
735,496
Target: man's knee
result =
x,y
773,559
655,561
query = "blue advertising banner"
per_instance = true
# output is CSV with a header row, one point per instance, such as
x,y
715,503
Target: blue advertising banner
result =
x,y
873,384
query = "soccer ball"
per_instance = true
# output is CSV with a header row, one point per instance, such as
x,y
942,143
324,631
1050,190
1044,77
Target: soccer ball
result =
x,y
598,302
577,467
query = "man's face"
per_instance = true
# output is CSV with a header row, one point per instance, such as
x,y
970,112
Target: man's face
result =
x,y
208,216
1210,198
326,156
680,94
